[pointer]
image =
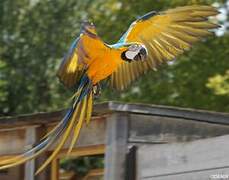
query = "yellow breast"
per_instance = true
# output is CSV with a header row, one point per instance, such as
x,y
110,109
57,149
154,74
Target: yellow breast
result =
x,y
104,64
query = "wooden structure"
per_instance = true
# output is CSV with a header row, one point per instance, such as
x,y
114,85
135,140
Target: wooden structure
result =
x,y
139,142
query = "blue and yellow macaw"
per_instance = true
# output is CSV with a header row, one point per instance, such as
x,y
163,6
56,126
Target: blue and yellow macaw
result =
x,y
152,39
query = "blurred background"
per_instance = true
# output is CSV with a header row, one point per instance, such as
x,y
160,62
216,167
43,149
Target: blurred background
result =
x,y
35,35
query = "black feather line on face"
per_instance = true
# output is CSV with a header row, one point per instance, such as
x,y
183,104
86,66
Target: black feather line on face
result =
x,y
123,56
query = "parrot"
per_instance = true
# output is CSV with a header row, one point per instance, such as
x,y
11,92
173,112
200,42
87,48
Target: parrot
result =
x,y
152,39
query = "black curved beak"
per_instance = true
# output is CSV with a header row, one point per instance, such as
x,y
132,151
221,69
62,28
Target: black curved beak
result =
x,y
143,52
141,55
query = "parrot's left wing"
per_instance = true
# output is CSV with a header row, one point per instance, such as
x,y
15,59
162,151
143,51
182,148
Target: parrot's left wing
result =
x,y
165,35
71,68
79,55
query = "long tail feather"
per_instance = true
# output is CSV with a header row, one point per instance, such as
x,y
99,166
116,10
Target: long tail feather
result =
x,y
61,143
35,151
78,126
55,129
72,122
89,107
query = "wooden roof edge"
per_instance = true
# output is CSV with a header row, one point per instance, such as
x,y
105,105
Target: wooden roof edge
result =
x,y
111,106
171,111
34,118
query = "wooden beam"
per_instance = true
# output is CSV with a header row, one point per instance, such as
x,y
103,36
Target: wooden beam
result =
x,y
83,151
145,129
37,119
169,111
116,146
12,142
43,118
30,119
30,165
76,152
94,173
55,169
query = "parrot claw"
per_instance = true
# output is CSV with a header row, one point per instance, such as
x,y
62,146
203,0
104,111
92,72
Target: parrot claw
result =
x,y
97,90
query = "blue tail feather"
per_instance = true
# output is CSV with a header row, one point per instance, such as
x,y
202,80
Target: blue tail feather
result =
x,y
86,86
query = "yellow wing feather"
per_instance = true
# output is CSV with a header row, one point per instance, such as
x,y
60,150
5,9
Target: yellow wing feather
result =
x,y
166,35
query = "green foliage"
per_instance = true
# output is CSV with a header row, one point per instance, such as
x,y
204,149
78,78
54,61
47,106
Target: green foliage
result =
x,y
219,84
82,165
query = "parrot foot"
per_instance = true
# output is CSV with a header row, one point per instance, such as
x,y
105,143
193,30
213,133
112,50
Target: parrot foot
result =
x,y
97,90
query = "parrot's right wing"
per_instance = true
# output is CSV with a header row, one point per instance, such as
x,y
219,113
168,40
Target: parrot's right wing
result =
x,y
166,35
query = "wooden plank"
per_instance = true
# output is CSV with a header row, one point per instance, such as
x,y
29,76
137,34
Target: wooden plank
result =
x,y
94,174
15,173
30,165
31,119
156,161
90,135
46,173
109,107
55,169
169,111
34,120
12,142
212,174
116,146
83,151
157,129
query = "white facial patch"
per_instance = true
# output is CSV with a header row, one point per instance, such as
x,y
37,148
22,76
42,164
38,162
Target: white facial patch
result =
x,y
131,54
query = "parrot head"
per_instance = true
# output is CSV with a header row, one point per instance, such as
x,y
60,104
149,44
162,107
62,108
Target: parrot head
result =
x,y
136,52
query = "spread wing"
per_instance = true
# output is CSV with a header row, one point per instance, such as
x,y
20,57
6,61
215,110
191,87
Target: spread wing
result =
x,y
165,35
76,61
